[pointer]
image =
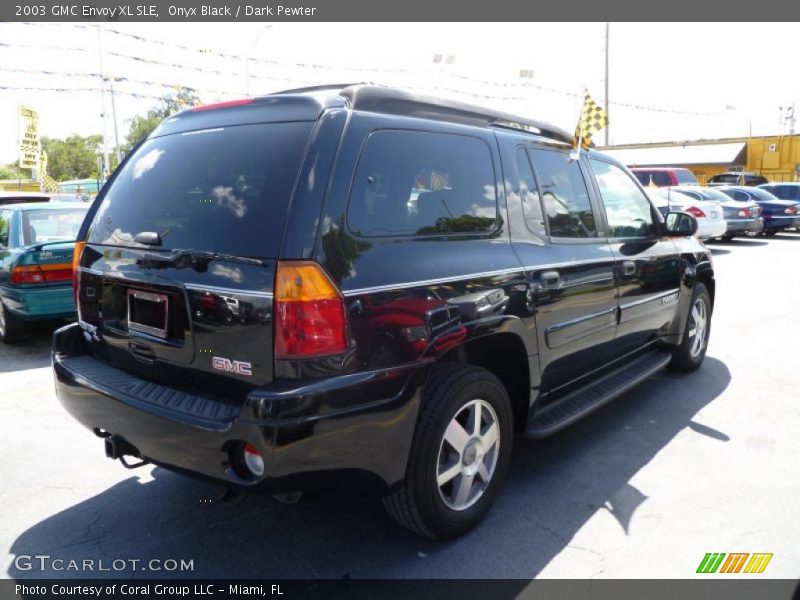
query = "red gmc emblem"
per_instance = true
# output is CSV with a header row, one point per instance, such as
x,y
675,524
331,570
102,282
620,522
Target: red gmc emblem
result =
x,y
232,366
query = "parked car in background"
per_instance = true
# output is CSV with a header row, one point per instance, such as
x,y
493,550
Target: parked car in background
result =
x,y
741,218
778,214
709,214
785,190
736,178
425,277
36,243
23,197
664,176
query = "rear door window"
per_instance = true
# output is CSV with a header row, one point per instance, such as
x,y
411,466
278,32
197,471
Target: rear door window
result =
x,y
416,183
567,208
529,194
221,190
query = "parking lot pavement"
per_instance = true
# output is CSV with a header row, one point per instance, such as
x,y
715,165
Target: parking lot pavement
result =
x,y
679,466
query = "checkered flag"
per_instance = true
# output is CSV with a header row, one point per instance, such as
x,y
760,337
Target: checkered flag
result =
x,y
593,119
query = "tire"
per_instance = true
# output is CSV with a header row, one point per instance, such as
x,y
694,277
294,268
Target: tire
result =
x,y
726,238
688,355
771,233
450,398
12,329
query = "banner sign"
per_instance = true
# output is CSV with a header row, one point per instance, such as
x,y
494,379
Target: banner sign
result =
x,y
29,144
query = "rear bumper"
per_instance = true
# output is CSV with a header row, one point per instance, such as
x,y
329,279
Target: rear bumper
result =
x,y
311,434
40,302
744,226
707,229
778,222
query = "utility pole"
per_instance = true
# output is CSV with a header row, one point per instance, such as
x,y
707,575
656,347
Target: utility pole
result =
x,y
114,119
608,111
106,160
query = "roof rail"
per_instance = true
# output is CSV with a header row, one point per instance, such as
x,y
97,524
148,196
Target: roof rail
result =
x,y
373,98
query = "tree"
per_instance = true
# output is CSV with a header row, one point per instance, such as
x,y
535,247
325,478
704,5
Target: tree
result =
x,y
143,125
9,171
72,158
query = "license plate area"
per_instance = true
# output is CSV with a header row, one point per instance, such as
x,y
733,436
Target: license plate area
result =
x,y
147,313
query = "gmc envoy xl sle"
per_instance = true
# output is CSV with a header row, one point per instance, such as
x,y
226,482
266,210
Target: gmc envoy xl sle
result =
x,y
356,284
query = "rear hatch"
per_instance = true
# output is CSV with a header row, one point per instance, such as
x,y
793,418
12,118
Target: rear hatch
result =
x,y
177,274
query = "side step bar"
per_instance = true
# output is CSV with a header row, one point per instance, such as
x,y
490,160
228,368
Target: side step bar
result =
x,y
582,401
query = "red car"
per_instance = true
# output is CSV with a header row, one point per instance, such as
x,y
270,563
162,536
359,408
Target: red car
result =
x,y
664,176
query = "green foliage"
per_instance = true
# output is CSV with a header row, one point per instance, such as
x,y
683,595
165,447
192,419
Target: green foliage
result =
x,y
72,158
143,125
9,171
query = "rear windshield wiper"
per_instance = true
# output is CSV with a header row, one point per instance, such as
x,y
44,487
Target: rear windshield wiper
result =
x,y
196,259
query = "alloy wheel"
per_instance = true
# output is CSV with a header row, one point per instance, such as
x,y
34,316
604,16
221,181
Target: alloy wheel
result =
x,y
468,455
698,327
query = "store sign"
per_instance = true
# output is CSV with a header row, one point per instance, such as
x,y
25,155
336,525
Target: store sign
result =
x,y
29,144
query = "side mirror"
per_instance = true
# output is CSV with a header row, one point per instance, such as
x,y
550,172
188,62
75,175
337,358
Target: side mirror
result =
x,y
680,224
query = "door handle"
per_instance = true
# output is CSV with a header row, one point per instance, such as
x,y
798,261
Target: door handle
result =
x,y
549,280
628,268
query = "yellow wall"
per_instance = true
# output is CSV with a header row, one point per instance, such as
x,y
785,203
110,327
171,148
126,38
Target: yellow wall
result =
x,y
12,185
776,158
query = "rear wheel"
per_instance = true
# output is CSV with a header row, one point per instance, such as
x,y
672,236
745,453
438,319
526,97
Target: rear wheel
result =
x,y
770,232
11,327
459,455
726,238
689,355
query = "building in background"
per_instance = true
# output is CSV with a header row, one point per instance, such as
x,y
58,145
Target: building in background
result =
x,y
775,157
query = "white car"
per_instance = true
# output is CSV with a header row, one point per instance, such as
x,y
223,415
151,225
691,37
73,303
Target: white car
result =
x,y
709,214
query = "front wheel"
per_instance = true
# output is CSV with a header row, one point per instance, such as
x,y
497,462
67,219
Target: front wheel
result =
x,y
689,355
459,455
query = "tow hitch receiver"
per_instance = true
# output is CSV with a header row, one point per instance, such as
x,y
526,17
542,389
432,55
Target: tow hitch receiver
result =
x,y
118,448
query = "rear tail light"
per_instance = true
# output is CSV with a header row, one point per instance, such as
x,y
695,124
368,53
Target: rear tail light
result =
x,y
253,460
41,273
790,210
695,212
309,312
77,252
744,213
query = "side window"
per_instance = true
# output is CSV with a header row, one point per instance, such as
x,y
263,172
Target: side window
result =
x,y
529,194
5,225
423,183
567,207
628,211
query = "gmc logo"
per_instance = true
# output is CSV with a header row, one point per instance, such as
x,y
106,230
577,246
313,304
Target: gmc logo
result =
x,y
232,366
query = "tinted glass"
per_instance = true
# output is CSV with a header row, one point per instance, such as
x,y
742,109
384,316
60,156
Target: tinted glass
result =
x,y
566,200
222,190
685,177
712,194
762,195
787,192
736,195
422,183
658,178
627,209
529,194
40,226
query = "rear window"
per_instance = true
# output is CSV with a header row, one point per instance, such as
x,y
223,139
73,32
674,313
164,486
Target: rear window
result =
x,y
221,190
39,226
658,178
422,183
685,177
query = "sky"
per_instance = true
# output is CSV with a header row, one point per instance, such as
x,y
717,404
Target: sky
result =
x,y
667,82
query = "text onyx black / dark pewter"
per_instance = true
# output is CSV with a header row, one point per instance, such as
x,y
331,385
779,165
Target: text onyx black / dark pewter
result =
x,y
357,285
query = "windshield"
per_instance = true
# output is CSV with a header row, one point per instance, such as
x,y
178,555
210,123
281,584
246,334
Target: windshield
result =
x,y
685,176
39,226
712,194
762,195
220,190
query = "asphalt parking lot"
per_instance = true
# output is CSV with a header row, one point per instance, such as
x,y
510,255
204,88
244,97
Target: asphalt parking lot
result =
x,y
678,467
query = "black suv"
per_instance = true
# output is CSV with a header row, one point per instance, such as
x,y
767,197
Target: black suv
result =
x,y
359,284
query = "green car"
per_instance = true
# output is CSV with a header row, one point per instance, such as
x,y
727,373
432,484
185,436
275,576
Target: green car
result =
x,y
36,244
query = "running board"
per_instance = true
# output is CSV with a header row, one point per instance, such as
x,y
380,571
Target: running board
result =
x,y
582,401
